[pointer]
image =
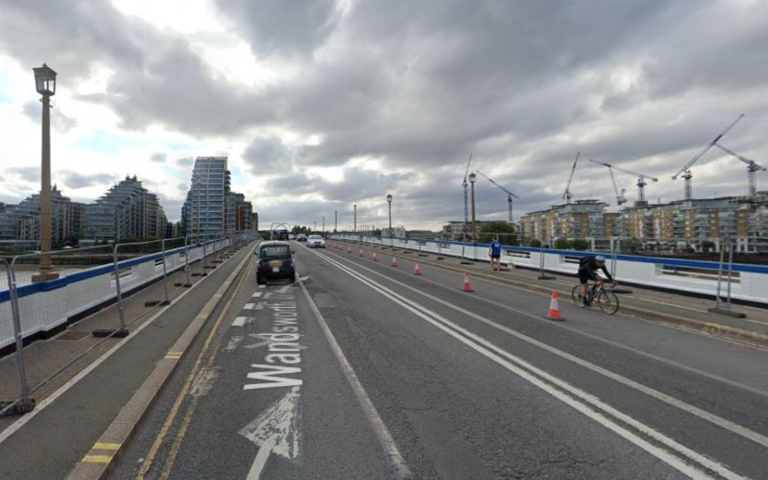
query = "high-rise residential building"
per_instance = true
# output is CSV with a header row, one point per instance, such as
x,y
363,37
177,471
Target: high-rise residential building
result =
x,y
211,208
127,210
22,221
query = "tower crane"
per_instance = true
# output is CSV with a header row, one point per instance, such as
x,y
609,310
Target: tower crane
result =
x,y
752,167
641,183
567,195
618,189
465,184
509,195
686,170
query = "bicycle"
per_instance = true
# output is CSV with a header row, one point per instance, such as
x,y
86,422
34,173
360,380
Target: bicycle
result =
x,y
606,299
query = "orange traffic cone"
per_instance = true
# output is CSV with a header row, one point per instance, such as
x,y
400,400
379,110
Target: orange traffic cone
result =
x,y
416,269
467,287
375,258
554,308
361,254
394,262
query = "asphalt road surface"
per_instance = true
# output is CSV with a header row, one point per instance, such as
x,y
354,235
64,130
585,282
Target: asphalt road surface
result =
x,y
363,370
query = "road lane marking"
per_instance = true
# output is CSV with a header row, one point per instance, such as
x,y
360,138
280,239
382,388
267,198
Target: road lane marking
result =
x,y
97,459
106,446
668,399
257,294
170,419
394,457
249,306
233,343
568,394
242,321
275,430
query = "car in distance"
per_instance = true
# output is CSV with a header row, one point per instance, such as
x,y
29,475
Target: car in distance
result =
x,y
291,237
274,261
301,237
315,241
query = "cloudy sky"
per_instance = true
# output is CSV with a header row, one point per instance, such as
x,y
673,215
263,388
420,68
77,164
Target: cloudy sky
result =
x,y
320,104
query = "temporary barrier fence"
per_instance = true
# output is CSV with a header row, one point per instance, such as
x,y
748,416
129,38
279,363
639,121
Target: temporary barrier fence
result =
x,y
29,310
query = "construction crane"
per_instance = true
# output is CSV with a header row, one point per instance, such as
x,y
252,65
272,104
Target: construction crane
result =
x,y
686,170
509,195
465,184
618,189
567,195
641,183
752,167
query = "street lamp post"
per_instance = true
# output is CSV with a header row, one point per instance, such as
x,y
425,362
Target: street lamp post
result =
x,y
323,225
45,83
472,178
335,221
355,225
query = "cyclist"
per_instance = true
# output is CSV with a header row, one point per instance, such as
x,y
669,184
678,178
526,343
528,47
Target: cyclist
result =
x,y
588,267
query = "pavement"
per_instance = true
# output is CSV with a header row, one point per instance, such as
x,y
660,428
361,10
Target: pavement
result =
x,y
363,370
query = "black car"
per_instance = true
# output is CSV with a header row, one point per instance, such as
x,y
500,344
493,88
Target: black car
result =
x,y
274,261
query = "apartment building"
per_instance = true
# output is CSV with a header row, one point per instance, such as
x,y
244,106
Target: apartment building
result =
x,y
211,208
22,221
127,210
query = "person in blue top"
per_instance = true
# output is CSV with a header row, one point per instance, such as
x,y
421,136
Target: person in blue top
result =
x,y
494,251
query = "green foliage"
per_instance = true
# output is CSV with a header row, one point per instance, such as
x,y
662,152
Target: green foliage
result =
x,y
535,243
505,230
377,232
580,244
563,244
630,245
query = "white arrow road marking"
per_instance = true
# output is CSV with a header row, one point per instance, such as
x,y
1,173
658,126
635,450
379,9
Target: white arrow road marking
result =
x,y
271,339
275,430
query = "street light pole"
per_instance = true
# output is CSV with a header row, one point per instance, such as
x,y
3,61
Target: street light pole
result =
x,y
472,178
335,221
323,225
45,82
355,208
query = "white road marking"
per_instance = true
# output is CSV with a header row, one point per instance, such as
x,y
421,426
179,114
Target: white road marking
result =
x,y
249,306
242,321
203,382
386,440
257,294
275,430
262,286
233,343
702,414
568,394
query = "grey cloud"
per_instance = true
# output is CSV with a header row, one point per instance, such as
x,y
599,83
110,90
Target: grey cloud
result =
x,y
277,27
25,174
185,161
268,155
158,157
77,180
59,121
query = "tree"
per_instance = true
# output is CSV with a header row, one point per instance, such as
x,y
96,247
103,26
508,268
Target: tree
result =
x,y
563,244
505,230
377,232
580,244
535,243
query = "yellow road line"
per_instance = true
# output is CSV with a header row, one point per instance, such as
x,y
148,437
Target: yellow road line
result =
x,y
171,418
97,459
106,446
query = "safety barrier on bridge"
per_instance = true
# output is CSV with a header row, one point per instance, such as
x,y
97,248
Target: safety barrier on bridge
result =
x,y
739,281
114,274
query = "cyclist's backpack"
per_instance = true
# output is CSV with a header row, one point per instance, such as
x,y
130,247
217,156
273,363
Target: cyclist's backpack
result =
x,y
583,261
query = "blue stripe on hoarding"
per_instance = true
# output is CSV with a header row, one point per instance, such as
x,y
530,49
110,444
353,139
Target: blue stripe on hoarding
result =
x,y
88,273
674,262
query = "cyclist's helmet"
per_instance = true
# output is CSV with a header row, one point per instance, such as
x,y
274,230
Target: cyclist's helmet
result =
x,y
600,259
